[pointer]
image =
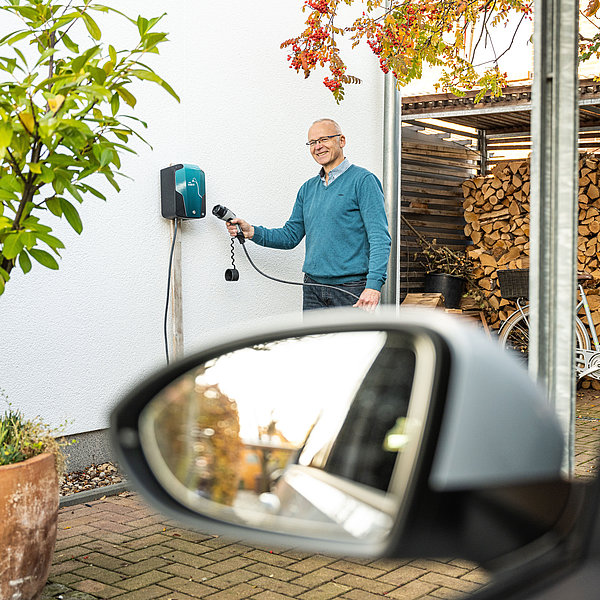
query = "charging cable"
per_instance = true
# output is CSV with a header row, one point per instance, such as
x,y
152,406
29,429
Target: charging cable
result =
x,y
223,213
169,291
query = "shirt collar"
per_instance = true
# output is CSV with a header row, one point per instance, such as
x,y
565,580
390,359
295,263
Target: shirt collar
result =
x,y
336,172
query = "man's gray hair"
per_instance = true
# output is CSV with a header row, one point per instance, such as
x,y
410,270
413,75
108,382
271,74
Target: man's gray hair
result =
x,y
337,128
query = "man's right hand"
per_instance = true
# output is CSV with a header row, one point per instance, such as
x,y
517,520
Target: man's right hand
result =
x,y
247,229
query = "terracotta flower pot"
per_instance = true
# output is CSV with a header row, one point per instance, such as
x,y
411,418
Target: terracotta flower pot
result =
x,y
28,514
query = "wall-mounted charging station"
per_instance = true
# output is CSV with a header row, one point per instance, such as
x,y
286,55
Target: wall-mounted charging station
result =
x,y
182,196
183,192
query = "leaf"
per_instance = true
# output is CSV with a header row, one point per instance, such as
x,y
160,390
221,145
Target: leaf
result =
x,y
27,121
52,241
44,258
24,262
592,8
6,133
79,63
9,38
21,56
56,102
151,40
91,26
54,206
71,215
47,53
127,96
151,76
94,191
8,195
58,183
10,64
114,104
99,75
112,180
142,25
27,12
33,223
4,276
144,74
47,175
108,67
73,190
70,44
106,157
12,245
29,239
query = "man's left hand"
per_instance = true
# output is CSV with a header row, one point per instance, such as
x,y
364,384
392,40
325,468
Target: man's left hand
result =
x,y
369,299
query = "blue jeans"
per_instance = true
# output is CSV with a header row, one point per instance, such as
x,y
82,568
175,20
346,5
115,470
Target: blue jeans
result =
x,y
314,297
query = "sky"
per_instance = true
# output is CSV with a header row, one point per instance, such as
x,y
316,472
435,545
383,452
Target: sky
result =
x,y
274,383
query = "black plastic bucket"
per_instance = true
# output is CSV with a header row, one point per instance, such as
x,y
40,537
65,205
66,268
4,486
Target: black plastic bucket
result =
x,y
451,286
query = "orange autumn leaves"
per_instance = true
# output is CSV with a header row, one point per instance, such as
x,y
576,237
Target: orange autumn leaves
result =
x,y
405,36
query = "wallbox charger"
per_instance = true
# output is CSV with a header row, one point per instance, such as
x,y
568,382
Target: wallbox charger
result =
x,y
182,192
182,196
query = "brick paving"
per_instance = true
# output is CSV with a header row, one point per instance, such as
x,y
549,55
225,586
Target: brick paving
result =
x,y
119,548
587,433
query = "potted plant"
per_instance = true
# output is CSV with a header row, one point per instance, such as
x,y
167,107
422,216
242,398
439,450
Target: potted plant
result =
x,y
31,463
446,270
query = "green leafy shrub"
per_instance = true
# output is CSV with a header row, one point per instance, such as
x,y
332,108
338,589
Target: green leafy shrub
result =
x,y
61,93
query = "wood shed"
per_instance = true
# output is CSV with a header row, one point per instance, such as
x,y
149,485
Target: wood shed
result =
x,y
447,140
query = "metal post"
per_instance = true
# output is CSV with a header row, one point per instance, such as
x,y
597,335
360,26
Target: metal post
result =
x,y
391,184
554,187
176,294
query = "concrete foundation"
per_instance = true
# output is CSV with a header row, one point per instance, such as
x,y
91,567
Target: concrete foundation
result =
x,y
91,447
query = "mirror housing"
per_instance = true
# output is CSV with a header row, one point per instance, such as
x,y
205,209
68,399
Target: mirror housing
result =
x,y
488,453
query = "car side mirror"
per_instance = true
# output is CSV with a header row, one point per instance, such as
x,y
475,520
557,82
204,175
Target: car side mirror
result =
x,y
350,433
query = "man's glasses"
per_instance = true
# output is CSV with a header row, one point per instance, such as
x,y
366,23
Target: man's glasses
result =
x,y
321,140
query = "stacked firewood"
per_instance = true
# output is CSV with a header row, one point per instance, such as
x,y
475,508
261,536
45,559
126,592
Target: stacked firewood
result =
x,y
496,210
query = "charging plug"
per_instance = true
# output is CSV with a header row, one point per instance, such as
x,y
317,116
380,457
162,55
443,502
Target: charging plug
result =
x,y
223,213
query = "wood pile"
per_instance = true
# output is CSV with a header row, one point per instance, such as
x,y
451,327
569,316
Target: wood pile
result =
x,y
496,210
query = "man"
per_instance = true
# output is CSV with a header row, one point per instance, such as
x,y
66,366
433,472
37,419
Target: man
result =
x,y
341,211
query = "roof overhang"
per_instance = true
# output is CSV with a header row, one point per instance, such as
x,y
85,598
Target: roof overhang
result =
x,y
509,113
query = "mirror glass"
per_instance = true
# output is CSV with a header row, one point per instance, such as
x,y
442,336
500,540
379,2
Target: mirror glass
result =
x,y
313,435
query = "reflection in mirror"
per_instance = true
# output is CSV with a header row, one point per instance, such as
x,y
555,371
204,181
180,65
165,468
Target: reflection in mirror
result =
x,y
299,435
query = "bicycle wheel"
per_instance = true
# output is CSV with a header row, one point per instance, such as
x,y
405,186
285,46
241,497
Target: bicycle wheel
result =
x,y
514,334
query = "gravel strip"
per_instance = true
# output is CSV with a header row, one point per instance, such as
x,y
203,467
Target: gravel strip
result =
x,y
91,478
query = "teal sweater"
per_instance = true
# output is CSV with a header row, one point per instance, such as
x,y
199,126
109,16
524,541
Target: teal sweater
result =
x,y
345,225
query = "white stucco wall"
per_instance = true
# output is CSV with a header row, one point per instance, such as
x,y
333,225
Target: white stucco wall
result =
x,y
74,340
